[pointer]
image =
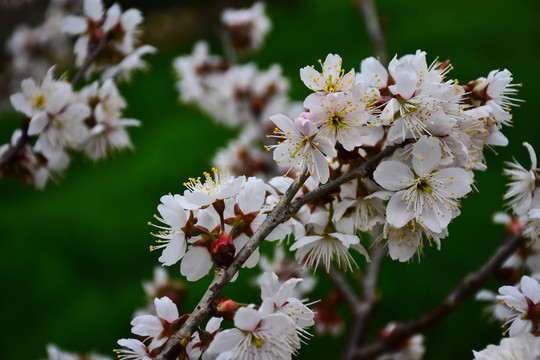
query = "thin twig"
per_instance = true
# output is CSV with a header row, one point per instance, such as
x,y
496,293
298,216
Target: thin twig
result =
x,y
103,42
370,290
468,287
347,293
13,153
376,35
361,171
363,313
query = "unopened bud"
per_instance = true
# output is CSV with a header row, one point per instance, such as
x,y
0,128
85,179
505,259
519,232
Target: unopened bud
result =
x,y
223,250
225,308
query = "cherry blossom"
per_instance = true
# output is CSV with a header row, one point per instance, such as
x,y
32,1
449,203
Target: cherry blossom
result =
x,y
256,336
302,146
425,193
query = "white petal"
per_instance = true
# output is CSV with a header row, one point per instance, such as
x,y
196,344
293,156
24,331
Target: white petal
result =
x,y
406,79
166,309
196,263
393,175
174,251
74,25
225,340
397,213
247,318
38,123
146,325
426,155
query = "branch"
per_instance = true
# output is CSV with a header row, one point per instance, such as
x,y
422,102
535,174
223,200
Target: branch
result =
x,y
283,211
13,153
340,282
376,35
91,58
364,312
468,287
361,171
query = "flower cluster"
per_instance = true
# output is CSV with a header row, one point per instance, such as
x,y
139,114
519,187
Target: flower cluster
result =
x,y
33,50
275,331
237,95
61,118
439,130
245,29
117,30
525,346
212,221
54,353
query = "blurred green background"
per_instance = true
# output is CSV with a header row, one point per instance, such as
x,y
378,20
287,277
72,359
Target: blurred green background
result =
x,y
73,256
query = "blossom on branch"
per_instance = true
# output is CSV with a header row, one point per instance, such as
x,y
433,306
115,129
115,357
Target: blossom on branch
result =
x,y
301,146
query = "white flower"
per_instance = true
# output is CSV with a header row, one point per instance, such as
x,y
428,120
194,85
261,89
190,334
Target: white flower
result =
x,y
279,298
131,62
333,79
246,28
194,70
520,189
423,104
341,118
313,249
196,346
107,129
246,216
410,349
429,194
33,98
132,349
363,201
372,73
54,353
172,238
405,241
56,161
221,186
495,94
256,336
158,328
120,29
302,146
287,268
198,260
523,347
523,305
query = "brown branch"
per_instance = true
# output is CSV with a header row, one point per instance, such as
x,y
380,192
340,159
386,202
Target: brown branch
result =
x,y
13,152
376,35
468,287
361,171
98,48
339,280
363,313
